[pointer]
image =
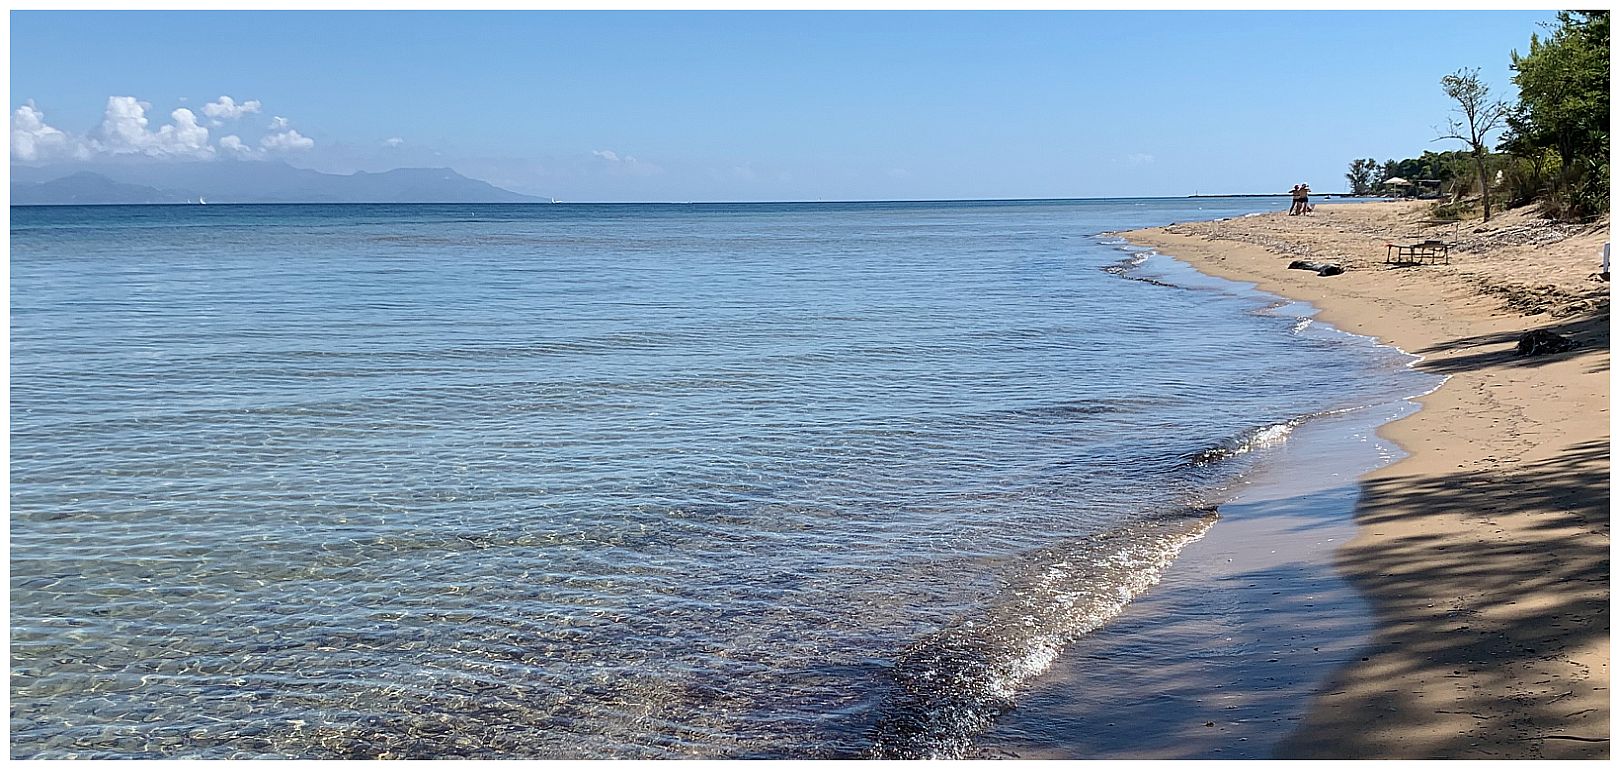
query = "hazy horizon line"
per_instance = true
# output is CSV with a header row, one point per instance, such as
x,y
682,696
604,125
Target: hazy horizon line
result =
x,y
555,202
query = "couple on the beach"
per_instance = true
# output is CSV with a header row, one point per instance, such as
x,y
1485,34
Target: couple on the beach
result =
x,y
1302,200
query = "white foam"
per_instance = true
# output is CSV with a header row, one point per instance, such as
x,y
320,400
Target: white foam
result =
x,y
1273,435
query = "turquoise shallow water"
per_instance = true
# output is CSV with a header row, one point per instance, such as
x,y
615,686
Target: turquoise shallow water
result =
x,y
785,480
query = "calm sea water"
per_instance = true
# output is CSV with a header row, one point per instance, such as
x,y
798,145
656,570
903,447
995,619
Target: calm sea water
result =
x,y
825,480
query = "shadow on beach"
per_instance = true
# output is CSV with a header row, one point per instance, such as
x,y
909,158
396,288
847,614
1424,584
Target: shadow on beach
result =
x,y
1490,638
1587,331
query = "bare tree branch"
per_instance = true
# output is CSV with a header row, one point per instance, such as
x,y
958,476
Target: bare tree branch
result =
x,y
1480,117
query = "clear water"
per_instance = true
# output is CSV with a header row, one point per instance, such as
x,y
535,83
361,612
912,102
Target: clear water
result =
x,y
820,480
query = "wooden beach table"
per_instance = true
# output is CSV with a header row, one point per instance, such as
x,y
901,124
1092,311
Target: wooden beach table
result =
x,y
1426,252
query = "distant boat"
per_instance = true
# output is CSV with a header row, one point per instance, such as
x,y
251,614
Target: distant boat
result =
x,y
201,202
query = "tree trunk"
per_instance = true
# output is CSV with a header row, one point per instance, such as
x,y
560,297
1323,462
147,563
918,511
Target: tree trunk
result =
x,y
1484,185
1564,191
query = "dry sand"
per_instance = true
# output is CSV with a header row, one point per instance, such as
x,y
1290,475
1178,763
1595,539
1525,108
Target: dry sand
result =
x,y
1486,552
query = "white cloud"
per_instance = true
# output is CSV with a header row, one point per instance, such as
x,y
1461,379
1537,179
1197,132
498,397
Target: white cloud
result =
x,y
226,108
34,139
123,131
184,136
123,126
233,144
287,140
284,138
1139,159
625,165
393,141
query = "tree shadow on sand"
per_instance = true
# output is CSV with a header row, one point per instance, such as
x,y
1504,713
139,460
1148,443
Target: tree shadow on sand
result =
x,y
1508,623
1587,332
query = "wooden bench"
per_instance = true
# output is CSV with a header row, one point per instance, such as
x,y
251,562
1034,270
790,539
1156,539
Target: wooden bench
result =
x,y
1425,253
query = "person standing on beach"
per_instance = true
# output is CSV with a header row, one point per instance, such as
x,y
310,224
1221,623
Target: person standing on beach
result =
x,y
1304,198
1293,208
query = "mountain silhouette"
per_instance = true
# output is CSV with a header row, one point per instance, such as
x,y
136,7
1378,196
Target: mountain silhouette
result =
x,y
244,182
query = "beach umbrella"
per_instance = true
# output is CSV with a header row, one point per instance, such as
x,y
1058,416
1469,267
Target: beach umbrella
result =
x,y
1396,180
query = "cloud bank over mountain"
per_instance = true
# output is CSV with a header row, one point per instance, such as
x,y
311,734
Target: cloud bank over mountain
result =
x,y
229,153
126,130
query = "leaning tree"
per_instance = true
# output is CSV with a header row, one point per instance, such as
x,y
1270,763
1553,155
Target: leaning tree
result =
x,y
1479,116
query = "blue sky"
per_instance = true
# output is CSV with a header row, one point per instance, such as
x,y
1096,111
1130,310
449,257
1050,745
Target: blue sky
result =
x,y
766,106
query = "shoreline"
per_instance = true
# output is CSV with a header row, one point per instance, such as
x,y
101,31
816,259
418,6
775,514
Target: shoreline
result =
x,y
1219,659
1484,552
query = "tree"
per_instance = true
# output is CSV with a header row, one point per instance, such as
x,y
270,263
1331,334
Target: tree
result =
x,y
1440,166
1361,175
1479,117
1564,107
1388,171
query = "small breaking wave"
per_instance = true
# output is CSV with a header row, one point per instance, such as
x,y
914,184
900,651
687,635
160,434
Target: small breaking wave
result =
x,y
950,686
1124,268
1124,265
1244,443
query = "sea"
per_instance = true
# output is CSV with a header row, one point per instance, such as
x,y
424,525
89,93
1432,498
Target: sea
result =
x,y
808,480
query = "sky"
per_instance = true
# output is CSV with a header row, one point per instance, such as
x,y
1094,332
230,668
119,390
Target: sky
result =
x,y
704,106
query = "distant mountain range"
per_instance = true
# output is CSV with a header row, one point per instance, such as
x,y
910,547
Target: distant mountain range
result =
x,y
243,182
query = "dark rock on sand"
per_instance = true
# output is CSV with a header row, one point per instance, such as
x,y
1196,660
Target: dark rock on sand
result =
x,y
1542,342
1321,268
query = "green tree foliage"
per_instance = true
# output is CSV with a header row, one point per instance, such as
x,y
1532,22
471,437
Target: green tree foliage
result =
x,y
1446,168
1563,111
1361,176
1388,171
1530,174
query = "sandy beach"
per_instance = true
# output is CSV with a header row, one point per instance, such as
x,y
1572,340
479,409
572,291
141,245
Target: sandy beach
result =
x,y
1484,553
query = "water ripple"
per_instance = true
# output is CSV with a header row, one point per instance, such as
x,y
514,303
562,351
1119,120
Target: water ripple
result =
x,y
655,482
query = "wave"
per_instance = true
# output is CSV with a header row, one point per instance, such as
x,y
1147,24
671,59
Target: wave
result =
x,y
1124,268
1245,442
1061,411
1124,265
950,686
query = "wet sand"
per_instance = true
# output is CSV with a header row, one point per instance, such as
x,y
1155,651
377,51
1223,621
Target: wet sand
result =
x,y
1220,659
1484,553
